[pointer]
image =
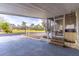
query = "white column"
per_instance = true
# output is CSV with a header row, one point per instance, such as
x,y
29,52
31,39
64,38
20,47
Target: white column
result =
x,y
64,25
54,27
47,28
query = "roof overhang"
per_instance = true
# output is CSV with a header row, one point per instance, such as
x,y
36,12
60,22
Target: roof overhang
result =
x,y
41,10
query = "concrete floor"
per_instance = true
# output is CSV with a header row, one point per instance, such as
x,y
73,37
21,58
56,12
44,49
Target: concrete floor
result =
x,y
20,46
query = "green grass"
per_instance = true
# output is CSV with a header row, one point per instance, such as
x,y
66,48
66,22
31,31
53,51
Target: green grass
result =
x,y
28,31
15,31
2,32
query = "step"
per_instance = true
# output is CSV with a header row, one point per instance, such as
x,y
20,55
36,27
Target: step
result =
x,y
57,42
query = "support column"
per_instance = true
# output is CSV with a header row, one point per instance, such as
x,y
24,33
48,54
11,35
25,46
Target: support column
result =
x,y
54,27
64,25
47,29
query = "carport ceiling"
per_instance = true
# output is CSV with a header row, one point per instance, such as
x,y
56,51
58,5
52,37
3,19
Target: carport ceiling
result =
x,y
42,10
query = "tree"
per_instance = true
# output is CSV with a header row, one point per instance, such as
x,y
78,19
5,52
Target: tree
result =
x,y
32,26
24,25
5,27
43,25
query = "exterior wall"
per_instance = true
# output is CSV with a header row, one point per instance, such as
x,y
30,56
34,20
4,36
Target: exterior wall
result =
x,y
77,23
70,34
70,39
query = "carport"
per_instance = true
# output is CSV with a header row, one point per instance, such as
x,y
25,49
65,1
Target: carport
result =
x,y
61,25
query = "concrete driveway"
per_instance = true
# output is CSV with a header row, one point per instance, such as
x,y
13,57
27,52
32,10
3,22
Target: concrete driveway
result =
x,y
18,45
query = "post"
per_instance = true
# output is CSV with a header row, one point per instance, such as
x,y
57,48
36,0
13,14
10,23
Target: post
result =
x,y
54,27
47,28
64,25
64,29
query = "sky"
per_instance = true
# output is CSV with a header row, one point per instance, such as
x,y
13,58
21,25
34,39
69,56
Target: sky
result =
x,y
17,20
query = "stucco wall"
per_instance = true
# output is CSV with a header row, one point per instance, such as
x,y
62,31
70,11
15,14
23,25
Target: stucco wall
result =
x,y
70,37
77,23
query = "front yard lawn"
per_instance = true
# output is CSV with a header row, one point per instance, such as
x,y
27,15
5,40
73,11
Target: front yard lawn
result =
x,y
15,31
